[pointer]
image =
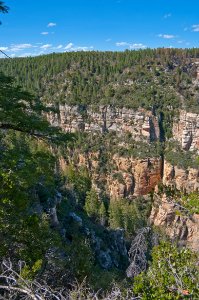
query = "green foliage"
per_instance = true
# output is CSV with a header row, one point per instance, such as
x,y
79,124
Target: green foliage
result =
x,y
129,215
173,274
29,273
92,204
180,158
3,8
152,79
80,181
81,259
102,213
20,111
191,202
27,178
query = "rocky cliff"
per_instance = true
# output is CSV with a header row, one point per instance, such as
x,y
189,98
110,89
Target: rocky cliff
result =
x,y
180,227
141,124
127,176
131,177
186,130
181,179
138,176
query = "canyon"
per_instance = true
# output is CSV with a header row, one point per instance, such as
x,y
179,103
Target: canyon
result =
x,y
140,176
131,176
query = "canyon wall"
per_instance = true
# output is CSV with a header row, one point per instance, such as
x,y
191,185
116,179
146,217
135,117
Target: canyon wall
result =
x,y
181,179
186,130
130,177
141,124
137,176
180,227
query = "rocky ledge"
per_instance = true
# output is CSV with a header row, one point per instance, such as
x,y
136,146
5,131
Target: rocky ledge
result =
x,y
186,130
179,227
140,123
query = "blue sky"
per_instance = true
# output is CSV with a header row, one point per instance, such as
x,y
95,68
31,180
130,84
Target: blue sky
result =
x,y
44,26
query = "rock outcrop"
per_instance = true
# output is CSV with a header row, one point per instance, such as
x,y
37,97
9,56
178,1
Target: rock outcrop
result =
x,y
130,178
141,124
186,130
138,176
178,226
181,179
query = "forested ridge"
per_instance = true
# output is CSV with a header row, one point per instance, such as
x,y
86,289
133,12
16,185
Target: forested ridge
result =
x,y
143,78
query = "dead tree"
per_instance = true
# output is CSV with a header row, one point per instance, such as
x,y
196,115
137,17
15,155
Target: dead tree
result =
x,y
137,253
14,287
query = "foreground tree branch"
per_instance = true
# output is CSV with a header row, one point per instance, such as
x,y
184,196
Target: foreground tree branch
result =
x,y
13,286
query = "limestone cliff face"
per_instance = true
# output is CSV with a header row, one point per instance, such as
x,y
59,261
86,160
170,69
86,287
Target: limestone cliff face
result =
x,y
131,177
183,180
183,228
141,124
186,130
139,176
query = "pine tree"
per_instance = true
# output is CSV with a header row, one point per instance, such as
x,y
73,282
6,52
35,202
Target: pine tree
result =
x,y
102,214
92,204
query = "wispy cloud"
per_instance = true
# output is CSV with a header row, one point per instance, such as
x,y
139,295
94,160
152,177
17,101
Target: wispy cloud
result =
x,y
46,46
195,28
24,50
69,46
131,45
83,48
59,47
20,47
122,44
137,46
166,16
51,24
72,47
166,36
3,48
45,32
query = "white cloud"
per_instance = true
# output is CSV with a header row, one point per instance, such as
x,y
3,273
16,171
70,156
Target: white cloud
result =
x,y
69,46
51,24
59,47
166,36
3,48
195,28
137,46
45,32
46,46
108,40
166,16
122,44
24,50
83,48
131,46
72,47
20,47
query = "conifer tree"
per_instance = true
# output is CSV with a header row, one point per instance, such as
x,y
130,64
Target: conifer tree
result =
x,y
92,204
102,214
